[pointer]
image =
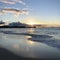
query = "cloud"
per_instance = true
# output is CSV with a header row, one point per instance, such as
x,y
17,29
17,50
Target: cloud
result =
x,y
22,2
13,11
12,1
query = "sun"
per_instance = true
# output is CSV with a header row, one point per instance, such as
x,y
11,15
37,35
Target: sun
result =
x,y
31,21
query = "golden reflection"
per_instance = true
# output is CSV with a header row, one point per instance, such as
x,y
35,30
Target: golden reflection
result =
x,y
31,30
28,37
30,42
16,46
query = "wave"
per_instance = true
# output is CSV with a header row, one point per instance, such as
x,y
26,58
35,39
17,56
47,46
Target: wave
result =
x,y
47,39
33,35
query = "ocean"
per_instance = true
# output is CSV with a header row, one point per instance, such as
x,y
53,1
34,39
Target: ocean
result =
x,y
31,42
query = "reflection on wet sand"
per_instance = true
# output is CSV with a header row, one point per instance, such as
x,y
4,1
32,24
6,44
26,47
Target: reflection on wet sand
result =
x,y
29,35
31,31
31,42
46,39
16,46
22,46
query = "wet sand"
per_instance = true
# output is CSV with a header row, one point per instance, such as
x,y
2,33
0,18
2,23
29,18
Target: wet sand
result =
x,y
7,55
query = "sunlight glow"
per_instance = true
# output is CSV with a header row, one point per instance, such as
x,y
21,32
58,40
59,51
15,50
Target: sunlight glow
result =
x,y
31,30
31,42
31,21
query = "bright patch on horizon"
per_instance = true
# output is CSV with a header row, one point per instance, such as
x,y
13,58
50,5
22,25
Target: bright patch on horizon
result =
x,y
31,21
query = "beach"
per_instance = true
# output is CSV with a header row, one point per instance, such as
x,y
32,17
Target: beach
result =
x,y
27,43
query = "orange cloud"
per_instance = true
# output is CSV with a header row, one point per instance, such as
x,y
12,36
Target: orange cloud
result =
x,y
13,11
12,1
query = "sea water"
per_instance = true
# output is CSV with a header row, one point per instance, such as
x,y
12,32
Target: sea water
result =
x,y
31,42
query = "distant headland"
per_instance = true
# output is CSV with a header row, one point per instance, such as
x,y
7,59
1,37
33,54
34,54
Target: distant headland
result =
x,y
21,25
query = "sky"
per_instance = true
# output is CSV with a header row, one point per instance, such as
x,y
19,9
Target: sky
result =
x,y
30,11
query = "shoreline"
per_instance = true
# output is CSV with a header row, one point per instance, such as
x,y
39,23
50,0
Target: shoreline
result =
x,y
24,27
